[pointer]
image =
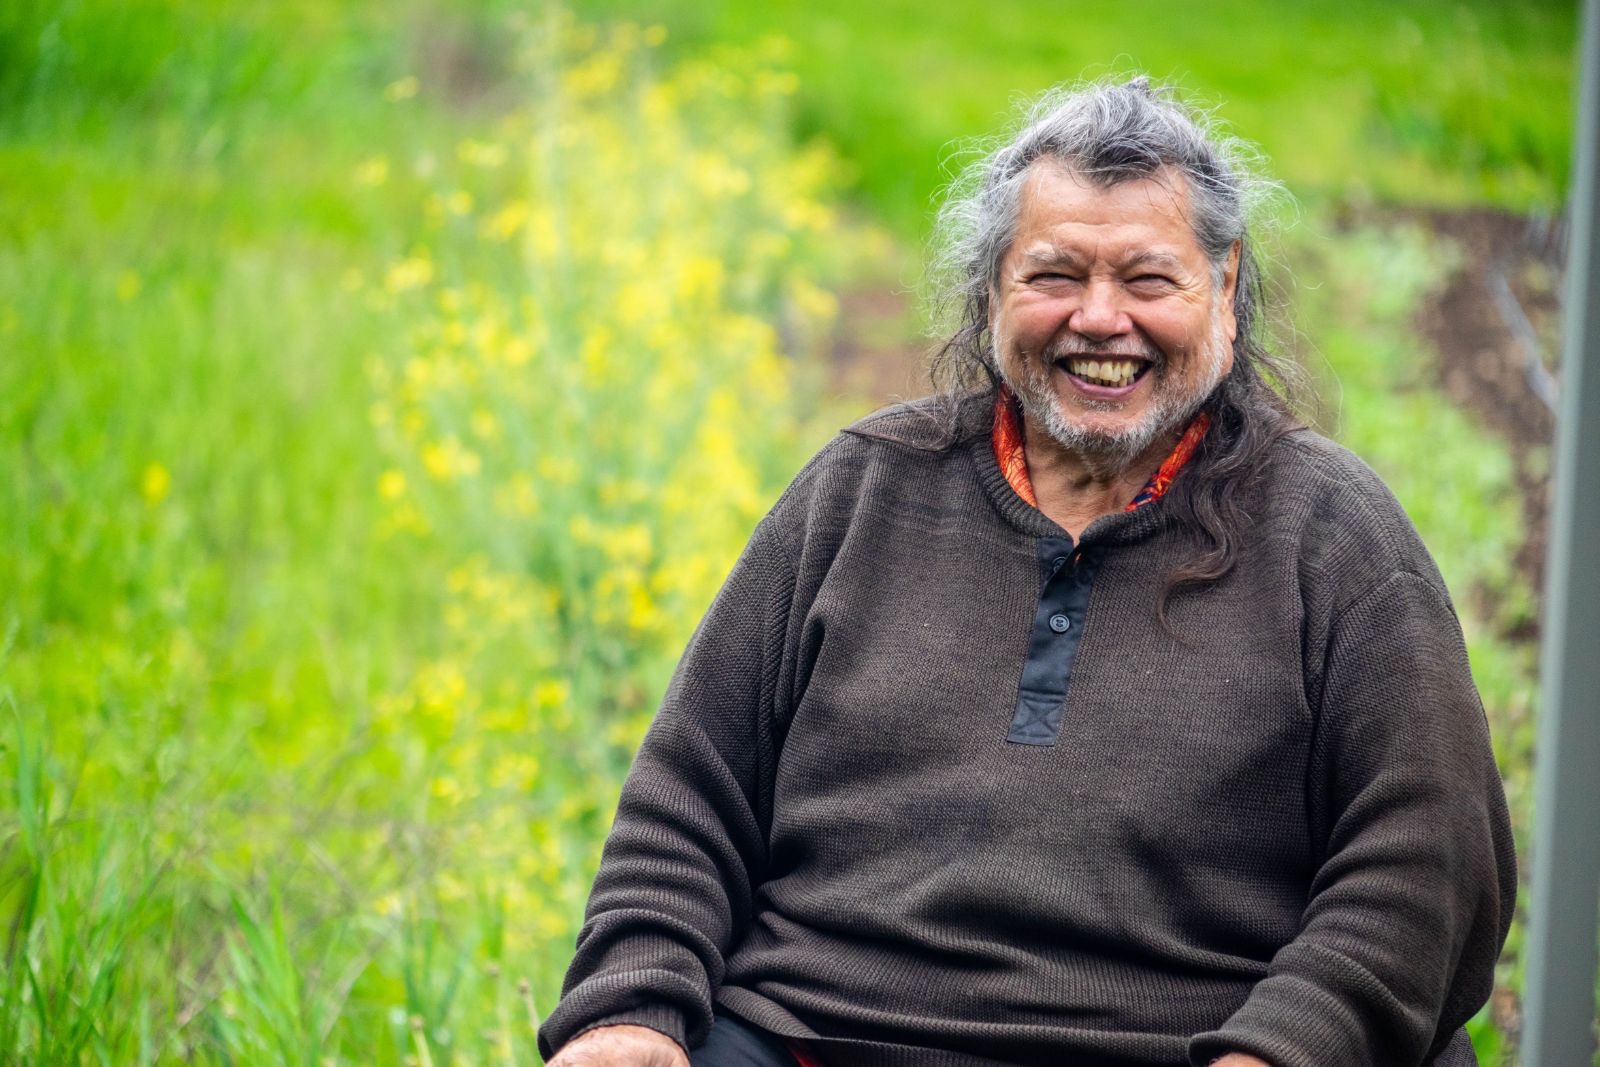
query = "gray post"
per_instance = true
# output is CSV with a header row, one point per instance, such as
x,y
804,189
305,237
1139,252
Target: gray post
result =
x,y
1560,1001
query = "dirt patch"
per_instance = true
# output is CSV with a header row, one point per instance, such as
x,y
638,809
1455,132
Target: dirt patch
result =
x,y
1495,334
879,353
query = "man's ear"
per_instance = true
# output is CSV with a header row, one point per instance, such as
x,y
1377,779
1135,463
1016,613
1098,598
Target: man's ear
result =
x,y
1230,288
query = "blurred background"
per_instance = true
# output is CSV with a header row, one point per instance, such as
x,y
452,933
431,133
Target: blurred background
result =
x,y
385,389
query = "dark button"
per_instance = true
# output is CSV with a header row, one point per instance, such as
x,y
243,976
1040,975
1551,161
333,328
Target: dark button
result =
x,y
1059,562
1060,623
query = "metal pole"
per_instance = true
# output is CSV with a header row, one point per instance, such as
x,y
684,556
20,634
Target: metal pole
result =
x,y
1560,1002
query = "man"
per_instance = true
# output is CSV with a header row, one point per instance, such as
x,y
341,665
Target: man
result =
x,y
1094,714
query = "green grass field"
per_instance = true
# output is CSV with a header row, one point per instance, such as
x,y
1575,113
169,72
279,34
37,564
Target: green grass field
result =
x,y
386,389
1416,103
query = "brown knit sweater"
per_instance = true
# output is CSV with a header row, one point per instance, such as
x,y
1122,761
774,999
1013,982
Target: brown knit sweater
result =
x,y
932,786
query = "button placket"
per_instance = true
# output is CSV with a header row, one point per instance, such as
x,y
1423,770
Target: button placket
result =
x,y
1065,580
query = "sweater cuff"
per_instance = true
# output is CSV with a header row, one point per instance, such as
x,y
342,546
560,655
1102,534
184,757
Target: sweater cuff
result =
x,y
1288,1022
658,1017
557,1032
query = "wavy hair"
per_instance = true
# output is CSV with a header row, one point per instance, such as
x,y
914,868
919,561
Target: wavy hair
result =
x,y
1109,132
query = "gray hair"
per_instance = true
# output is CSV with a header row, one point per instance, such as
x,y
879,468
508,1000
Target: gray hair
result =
x,y
1108,133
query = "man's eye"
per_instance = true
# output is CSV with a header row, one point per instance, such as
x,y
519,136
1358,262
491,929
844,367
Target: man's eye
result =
x,y
1051,276
1153,279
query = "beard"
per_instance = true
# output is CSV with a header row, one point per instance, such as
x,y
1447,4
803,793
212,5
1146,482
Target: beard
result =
x,y
1173,403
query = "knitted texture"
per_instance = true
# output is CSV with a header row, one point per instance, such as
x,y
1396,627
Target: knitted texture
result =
x,y
1281,833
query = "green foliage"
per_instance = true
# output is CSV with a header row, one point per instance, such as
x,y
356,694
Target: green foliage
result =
x,y
367,458
1408,103
366,455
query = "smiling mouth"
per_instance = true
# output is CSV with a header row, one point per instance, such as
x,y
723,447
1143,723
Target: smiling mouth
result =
x,y
1111,372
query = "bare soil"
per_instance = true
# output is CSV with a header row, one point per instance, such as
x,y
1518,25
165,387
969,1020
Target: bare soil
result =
x,y
878,354
1495,332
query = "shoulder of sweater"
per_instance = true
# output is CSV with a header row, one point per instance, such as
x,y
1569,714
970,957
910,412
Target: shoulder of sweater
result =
x,y
929,424
885,452
1352,529
913,430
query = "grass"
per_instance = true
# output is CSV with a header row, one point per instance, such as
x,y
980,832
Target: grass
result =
x,y
334,601
1414,103
388,387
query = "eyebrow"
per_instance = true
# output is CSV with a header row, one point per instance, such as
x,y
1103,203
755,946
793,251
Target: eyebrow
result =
x,y
1050,256
1158,260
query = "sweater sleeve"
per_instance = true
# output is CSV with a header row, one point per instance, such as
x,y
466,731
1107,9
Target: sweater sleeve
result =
x,y
674,889
1410,905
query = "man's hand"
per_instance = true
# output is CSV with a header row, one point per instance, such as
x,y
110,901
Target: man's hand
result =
x,y
1239,1059
621,1046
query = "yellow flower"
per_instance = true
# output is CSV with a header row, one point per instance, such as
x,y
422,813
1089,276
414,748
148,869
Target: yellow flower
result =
x,y
551,693
504,224
812,301
129,285
403,89
593,77
447,459
409,273
518,351
485,154
372,171
700,279
561,470
517,770
392,485
484,424
155,483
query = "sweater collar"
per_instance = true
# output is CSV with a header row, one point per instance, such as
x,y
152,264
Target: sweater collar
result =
x,y
1003,471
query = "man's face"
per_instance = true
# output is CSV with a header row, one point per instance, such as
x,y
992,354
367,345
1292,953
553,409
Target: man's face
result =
x,y
1106,323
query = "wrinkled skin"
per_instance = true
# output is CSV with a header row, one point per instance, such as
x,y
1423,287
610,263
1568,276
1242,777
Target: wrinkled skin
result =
x,y
1110,272
621,1046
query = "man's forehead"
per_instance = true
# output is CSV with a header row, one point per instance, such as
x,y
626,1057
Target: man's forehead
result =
x,y
1164,192
1144,219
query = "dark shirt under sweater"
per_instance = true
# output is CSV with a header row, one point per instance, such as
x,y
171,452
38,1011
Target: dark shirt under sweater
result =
x,y
1282,833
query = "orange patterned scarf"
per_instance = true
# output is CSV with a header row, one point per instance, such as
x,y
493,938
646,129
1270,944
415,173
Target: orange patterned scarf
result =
x,y
1007,440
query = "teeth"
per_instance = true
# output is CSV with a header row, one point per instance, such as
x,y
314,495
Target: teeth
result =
x,y
1104,372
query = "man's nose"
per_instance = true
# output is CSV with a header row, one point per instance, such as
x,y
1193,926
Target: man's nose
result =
x,y
1099,315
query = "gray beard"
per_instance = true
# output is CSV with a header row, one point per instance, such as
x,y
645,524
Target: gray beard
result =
x,y
1167,414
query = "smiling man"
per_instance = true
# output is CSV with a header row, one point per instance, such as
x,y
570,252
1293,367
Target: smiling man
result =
x,y
1090,712
1112,328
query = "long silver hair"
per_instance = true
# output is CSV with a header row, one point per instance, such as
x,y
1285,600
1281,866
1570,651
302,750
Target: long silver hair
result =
x,y
1107,132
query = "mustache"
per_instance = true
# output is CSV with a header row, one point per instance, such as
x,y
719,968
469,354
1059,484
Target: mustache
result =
x,y
1076,346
